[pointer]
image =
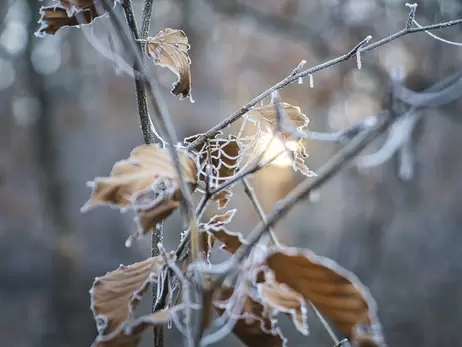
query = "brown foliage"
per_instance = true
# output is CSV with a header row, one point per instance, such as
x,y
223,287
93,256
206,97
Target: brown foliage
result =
x,y
147,181
114,297
216,229
70,13
334,291
169,48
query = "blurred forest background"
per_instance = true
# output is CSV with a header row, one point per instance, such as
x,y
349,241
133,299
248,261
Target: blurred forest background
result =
x,y
66,115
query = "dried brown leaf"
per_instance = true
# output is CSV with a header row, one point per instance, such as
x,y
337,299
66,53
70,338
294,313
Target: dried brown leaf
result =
x,y
254,327
115,295
169,48
268,113
146,181
337,293
70,13
130,334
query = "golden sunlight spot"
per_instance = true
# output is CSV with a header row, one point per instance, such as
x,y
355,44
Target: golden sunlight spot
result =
x,y
276,146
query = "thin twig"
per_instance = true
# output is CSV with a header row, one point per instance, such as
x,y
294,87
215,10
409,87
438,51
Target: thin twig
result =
x,y
253,198
325,324
140,86
148,133
161,111
292,78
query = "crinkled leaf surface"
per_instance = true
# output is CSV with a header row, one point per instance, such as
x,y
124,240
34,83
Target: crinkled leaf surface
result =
x,y
115,295
147,182
169,48
268,114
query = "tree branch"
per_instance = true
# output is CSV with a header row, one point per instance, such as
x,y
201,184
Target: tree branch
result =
x,y
292,78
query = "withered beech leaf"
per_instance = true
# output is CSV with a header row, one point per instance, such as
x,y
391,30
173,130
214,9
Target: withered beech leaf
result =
x,y
297,157
254,326
147,182
169,48
129,334
337,293
223,156
70,13
267,114
115,295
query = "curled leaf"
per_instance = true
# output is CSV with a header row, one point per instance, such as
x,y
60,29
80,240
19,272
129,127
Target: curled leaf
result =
x,y
216,226
254,327
70,13
169,48
115,296
222,154
335,292
147,182
268,114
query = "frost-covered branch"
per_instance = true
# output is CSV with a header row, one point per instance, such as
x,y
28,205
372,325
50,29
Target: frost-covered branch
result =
x,y
361,48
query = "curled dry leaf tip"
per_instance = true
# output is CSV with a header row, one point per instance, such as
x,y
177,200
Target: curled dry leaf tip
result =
x,y
71,13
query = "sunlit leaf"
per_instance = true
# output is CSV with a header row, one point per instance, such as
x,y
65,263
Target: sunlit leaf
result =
x,y
215,229
169,48
337,293
115,296
267,114
70,13
147,182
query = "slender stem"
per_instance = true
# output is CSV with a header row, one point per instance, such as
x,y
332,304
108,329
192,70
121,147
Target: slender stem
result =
x,y
326,325
140,86
292,78
158,233
148,136
146,18
253,198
